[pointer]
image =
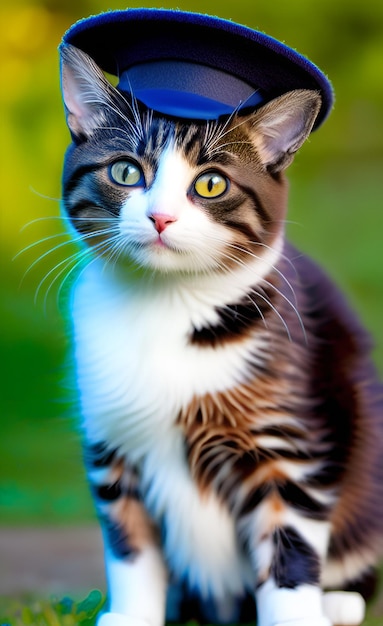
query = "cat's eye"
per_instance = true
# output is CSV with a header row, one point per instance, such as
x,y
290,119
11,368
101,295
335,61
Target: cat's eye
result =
x,y
211,185
126,173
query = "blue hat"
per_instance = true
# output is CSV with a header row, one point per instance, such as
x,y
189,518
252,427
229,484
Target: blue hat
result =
x,y
195,66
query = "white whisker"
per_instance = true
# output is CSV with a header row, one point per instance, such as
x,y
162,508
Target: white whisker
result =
x,y
262,296
259,279
38,242
229,143
222,131
93,257
77,258
70,241
43,219
43,195
278,291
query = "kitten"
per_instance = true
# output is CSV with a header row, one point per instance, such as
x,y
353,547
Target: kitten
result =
x,y
232,420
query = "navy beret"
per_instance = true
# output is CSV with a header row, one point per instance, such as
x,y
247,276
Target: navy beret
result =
x,y
192,65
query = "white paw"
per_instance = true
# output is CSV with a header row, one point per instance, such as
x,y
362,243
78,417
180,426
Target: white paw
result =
x,y
117,619
315,621
344,608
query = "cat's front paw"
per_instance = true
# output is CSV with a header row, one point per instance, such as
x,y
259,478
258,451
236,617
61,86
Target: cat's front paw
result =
x,y
117,619
316,621
344,607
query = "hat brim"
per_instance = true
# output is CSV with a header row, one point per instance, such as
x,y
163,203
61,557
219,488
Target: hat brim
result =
x,y
118,40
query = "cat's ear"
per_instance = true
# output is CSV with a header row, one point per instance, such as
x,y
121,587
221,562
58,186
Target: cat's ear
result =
x,y
281,126
86,92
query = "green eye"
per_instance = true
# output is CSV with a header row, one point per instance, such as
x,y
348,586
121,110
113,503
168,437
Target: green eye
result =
x,y
126,173
211,185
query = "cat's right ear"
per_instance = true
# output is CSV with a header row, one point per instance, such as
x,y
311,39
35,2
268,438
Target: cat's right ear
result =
x,y
279,128
85,90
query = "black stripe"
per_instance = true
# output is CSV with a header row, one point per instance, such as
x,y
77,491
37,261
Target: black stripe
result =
x,y
234,320
118,539
295,454
301,501
262,212
244,228
284,431
108,493
295,562
246,464
328,475
79,207
93,211
99,455
79,173
188,138
254,498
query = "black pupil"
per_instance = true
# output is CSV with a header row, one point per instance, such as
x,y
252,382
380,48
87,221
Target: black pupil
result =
x,y
210,184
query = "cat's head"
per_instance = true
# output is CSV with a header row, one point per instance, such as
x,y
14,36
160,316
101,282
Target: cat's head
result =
x,y
172,195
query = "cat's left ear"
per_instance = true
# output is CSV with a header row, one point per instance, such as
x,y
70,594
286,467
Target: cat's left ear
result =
x,y
281,126
86,92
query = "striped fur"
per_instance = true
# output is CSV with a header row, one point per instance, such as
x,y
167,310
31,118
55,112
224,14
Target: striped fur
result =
x,y
233,423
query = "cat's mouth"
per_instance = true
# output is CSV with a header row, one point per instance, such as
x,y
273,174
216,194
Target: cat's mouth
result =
x,y
160,243
164,242
164,255
163,247
158,253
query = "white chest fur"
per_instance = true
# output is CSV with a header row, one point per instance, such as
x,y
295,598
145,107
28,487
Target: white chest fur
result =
x,y
136,370
200,540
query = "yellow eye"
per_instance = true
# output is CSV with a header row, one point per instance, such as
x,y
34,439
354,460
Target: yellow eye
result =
x,y
211,185
127,173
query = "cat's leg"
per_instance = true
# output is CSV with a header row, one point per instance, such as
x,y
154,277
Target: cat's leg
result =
x,y
287,550
136,573
348,607
289,591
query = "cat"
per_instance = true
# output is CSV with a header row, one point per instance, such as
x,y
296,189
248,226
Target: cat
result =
x,y
231,415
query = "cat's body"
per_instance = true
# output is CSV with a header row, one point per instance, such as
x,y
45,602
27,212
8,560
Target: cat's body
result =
x,y
233,423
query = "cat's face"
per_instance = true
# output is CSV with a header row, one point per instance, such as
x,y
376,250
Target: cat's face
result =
x,y
174,196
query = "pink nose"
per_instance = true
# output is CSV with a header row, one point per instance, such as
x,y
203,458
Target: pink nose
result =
x,y
161,221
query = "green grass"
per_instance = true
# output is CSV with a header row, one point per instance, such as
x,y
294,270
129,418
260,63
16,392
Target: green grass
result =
x,y
67,612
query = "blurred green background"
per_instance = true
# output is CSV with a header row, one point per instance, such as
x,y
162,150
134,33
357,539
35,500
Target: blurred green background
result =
x,y
336,215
